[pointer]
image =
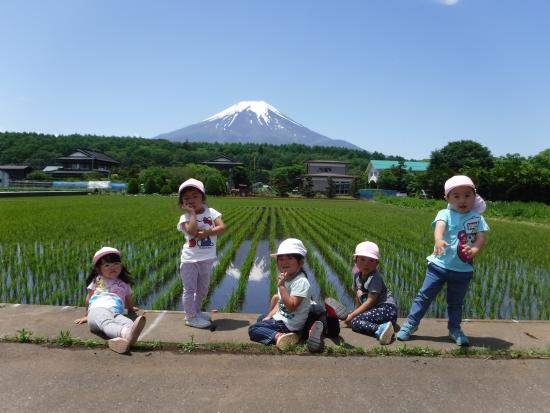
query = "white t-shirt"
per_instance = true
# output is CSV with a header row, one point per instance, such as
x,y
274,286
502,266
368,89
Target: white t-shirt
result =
x,y
195,250
299,287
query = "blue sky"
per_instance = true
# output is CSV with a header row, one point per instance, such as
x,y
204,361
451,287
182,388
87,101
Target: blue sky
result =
x,y
402,77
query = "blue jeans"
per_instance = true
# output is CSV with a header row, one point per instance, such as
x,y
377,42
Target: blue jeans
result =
x,y
265,331
457,286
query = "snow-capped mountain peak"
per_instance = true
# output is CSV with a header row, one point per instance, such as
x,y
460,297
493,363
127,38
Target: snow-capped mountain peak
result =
x,y
260,108
254,122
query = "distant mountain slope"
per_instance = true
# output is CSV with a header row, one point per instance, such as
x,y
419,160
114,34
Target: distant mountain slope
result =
x,y
252,122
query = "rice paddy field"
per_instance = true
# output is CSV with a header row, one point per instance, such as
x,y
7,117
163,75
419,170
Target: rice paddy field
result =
x,y
46,245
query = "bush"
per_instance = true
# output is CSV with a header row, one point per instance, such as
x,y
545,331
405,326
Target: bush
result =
x,y
165,190
133,186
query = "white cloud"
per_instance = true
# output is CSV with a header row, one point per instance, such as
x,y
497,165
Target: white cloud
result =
x,y
447,2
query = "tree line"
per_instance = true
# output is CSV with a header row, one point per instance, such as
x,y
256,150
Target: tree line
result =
x,y
159,163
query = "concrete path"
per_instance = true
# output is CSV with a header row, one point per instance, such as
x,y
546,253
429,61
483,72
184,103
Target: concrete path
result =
x,y
41,379
169,327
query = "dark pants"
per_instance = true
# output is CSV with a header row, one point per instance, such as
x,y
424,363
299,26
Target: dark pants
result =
x,y
331,325
369,321
265,331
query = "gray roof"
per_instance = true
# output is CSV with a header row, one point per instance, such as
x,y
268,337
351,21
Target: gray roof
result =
x,y
92,154
14,167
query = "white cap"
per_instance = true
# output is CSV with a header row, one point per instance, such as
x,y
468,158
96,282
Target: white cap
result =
x,y
103,252
291,246
367,249
192,183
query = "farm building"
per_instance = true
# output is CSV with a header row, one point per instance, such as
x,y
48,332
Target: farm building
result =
x,y
319,171
376,166
222,162
13,172
82,162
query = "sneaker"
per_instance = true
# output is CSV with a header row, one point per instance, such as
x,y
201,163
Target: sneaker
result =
x,y
315,342
119,345
406,331
205,315
337,307
197,322
132,334
459,338
385,333
283,341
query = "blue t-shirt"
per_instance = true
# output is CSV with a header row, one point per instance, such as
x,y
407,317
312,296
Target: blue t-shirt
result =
x,y
460,229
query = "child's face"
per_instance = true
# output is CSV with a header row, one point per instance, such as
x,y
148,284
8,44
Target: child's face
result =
x,y
366,264
462,198
193,198
289,264
110,270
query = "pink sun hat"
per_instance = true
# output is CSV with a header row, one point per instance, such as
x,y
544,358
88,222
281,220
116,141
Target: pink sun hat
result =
x,y
456,181
367,249
103,252
192,183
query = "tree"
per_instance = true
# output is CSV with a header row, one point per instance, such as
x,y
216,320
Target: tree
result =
x,y
151,186
133,186
330,188
165,190
38,176
307,188
457,158
387,180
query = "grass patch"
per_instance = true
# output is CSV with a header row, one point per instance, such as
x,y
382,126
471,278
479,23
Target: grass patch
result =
x,y
65,339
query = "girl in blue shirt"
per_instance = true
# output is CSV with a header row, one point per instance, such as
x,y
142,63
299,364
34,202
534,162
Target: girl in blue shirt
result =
x,y
459,236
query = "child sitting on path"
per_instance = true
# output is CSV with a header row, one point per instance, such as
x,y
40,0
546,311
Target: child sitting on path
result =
x,y
283,323
459,235
108,293
201,226
376,311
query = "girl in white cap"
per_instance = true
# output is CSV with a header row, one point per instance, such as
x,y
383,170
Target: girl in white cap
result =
x,y
375,311
109,292
459,236
201,226
286,320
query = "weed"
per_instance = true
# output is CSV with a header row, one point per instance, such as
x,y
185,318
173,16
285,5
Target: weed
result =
x,y
23,336
190,346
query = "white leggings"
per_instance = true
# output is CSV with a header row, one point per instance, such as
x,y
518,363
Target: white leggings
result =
x,y
102,320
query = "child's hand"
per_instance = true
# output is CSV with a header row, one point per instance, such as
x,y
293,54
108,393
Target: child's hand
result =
x,y
202,234
470,252
281,279
189,208
439,247
348,319
81,320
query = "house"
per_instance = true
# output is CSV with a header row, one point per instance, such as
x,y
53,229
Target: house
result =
x,y
83,161
319,171
222,162
13,172
375,166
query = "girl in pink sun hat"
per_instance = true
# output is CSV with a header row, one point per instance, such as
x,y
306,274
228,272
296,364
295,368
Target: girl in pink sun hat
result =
x,y
376,311
459,236
200,226
109,293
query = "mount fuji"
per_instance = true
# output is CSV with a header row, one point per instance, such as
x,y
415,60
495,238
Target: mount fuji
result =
x,y
252,122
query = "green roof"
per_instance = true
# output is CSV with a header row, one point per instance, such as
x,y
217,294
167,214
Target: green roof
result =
x,y
417,166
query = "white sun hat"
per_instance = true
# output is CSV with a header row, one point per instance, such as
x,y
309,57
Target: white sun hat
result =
x,y
192,183
290,246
